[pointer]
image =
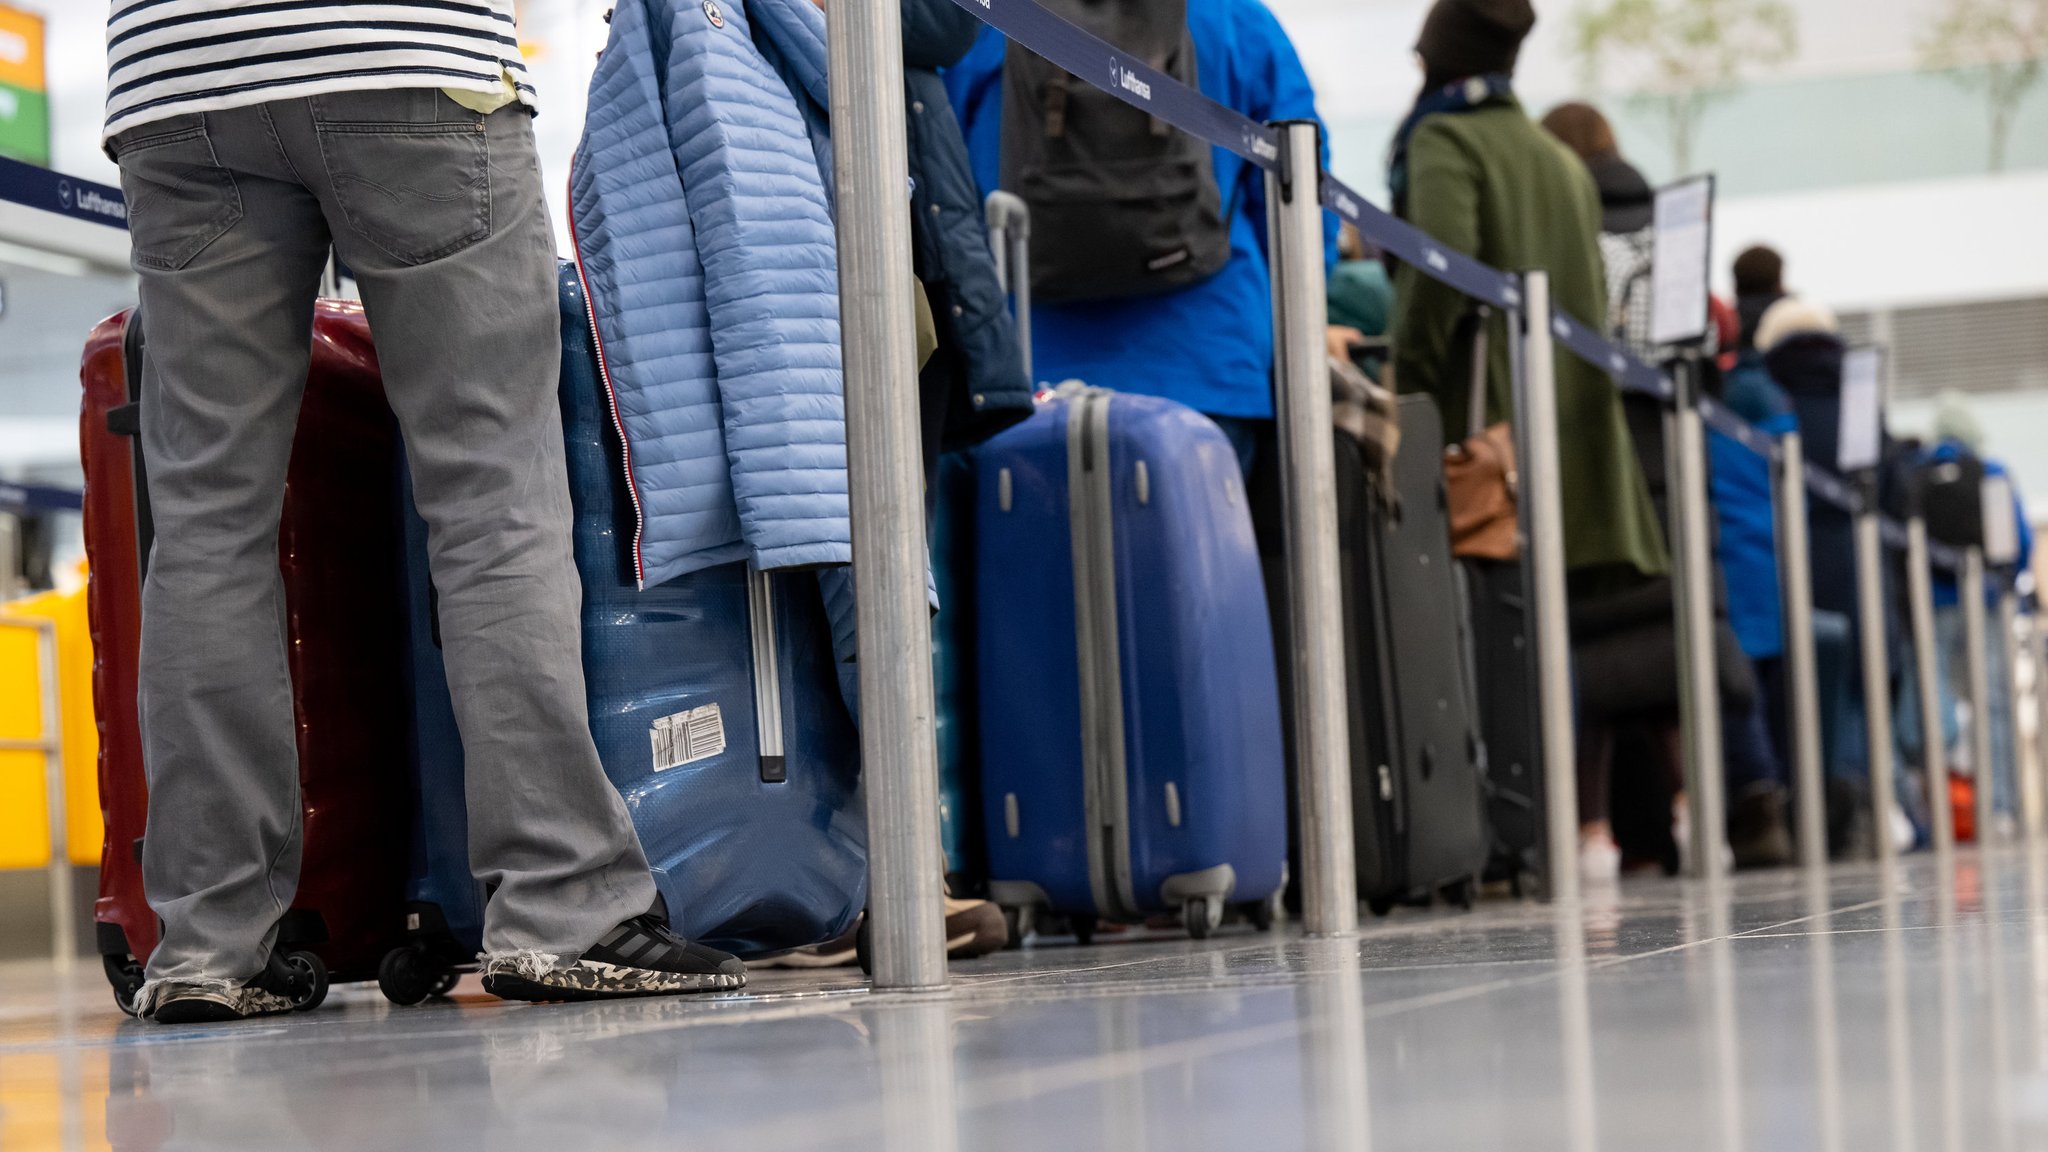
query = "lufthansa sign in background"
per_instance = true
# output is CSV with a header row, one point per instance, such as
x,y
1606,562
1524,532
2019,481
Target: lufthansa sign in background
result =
x,y
24,103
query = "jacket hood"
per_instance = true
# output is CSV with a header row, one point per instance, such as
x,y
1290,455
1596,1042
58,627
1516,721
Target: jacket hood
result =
x,y
1627,202
1810,362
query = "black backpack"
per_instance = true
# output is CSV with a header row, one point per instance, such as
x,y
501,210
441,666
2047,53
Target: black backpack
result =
x,y
1122,203
1952,500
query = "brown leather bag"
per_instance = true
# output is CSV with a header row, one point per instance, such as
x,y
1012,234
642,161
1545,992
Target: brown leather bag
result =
x,y
1479,474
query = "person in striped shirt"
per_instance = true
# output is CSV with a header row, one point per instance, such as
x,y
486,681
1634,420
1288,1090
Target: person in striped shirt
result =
x,y
254,137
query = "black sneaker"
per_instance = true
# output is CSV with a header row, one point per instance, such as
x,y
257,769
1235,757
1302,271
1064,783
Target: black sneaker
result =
x,y
641,957
288,983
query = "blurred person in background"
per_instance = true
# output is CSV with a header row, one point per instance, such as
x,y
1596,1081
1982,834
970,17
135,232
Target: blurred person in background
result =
x,y
1802,349
1361,300
1759,283
1470,168
1758,825
1627,217
1746,545
1208,344
1959,436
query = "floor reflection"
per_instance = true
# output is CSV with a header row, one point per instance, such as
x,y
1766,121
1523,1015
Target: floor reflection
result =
x,y
1870,1008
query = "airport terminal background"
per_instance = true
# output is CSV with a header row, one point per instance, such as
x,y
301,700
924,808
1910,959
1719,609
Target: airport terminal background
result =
x,y
1862,1007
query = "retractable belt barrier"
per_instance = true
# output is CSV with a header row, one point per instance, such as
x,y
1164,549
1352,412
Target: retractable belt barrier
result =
x,y
1138,84
40,188
39,498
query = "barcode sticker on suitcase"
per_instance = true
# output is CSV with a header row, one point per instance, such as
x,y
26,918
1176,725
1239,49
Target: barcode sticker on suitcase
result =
x,y
687,737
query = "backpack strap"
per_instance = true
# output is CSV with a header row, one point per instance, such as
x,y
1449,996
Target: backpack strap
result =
x,y
1056,96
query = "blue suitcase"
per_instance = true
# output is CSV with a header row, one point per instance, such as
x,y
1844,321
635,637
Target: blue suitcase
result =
x,y
716,711
1130,716
952,548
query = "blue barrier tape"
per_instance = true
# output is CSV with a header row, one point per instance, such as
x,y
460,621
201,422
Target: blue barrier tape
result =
x,y
1727,423
1411,245
1892,532
37,498
1127,78
34,187
1832,489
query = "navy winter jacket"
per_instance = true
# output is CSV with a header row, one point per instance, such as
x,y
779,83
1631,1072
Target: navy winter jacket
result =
x,y
974,386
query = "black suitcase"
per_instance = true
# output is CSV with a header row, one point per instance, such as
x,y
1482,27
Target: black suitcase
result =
x,y
1504,675
1416,752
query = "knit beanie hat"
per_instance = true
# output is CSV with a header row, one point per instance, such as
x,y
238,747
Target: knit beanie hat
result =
x,y
1791,317
1462,38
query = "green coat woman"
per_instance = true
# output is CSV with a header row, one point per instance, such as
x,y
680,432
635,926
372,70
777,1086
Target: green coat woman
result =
x,y
1487,181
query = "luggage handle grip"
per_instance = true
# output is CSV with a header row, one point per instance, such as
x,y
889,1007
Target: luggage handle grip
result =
x,y
125,419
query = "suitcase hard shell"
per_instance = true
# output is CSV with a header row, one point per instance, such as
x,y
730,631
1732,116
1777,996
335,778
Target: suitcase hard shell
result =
x,y
952,547
1504,675
716,710
1417,804
1130,722
338,551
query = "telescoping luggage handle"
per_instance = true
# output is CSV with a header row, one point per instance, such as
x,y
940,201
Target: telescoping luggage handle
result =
x,y
126,420
1009,233
767,677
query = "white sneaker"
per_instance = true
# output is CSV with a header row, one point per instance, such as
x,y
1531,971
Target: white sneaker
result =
x,y
1901,828
1599,861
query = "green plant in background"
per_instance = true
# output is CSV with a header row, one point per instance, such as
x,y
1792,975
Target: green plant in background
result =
x,y
1680,56
1996,46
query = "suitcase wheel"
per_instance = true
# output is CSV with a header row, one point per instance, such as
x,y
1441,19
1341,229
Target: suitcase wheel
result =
x,y
1083,928
1380,905
408,975
124,972
1265,913
1462,893
864,947
1202,915
308,980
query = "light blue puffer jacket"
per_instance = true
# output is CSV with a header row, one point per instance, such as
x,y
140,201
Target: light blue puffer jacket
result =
x,y
705,240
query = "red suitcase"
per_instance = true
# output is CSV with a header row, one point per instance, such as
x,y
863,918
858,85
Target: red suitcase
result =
x,y
339,549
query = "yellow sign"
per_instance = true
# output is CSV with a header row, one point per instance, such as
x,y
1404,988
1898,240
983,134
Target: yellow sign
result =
x,y
21,49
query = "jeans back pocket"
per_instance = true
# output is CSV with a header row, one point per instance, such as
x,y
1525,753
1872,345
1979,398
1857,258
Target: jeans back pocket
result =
x,y
410,170
179,197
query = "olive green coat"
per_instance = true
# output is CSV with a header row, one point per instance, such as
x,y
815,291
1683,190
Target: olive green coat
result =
x,y
1491,183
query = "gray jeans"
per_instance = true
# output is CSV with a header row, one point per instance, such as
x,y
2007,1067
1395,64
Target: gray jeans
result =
x,y
438,211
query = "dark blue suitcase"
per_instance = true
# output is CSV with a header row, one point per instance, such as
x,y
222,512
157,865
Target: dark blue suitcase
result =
x,y
716,711
952,547
1130,716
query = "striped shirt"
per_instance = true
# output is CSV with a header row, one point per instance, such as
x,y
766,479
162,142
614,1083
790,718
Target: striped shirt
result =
x,y
167,57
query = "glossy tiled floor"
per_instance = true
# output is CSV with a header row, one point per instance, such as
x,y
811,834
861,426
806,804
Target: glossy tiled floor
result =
x,y
1873,1012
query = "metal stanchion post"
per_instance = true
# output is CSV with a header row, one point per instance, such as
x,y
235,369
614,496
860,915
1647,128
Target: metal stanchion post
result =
x,y
1322,738
1693,568
1802,670
1543,529
2008,688
1927,672
886,483
1977,662
1877,703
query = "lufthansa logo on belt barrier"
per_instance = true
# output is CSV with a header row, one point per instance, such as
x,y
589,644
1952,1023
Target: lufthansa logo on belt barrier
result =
x,y
1124,78
64,195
